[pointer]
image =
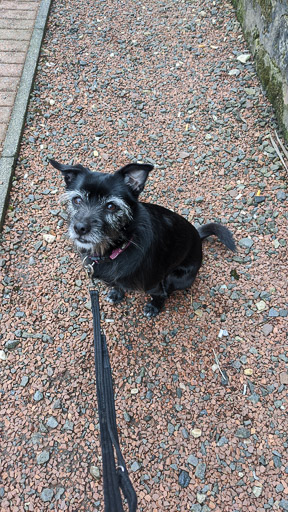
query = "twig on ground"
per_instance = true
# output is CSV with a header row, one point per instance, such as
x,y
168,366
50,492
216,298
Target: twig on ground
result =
x,y
218,364
278,151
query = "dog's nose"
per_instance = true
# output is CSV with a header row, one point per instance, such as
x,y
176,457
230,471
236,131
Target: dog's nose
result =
x,y
81,228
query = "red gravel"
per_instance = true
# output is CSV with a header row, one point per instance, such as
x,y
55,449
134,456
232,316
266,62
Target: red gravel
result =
x,y
154,79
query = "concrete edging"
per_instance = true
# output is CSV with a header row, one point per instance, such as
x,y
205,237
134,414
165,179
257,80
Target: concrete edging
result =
x,y
18,116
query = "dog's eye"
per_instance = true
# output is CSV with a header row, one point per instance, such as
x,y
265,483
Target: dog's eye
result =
x,y
111,207
77,200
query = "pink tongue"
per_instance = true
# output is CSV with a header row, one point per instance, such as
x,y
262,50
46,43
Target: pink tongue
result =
x,y
115,253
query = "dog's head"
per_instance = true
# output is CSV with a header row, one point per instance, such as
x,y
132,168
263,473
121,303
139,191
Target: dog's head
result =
x,y
101,206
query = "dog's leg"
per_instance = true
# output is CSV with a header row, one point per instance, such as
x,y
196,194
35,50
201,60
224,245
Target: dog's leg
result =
x,y
115,295
181,278
158,296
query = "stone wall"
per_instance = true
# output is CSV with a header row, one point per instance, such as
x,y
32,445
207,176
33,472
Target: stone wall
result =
x,y
265,26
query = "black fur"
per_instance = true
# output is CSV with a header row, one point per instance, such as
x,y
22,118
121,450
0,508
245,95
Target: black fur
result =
x,y
164,251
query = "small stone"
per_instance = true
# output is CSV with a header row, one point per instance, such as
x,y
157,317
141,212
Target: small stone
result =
x,y
49,238
95,472
192,460
248,371
10,344
52,422
283,504
68,425
281,196
38,396
200,470
257,491
57,404
200,497
47,494
261,305
284,378
243,433
267,329
246,243
59,493
184,154
196,432
273,312
3,356
135,466
24,381
250,91
234,72
244,57
222,441
126,416
184,479
277,461
43,457
259,199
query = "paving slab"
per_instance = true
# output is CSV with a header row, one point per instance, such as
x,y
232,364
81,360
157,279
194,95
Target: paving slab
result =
x,y
22,26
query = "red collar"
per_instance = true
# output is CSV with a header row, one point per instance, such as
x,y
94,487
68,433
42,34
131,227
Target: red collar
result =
x,y
113,254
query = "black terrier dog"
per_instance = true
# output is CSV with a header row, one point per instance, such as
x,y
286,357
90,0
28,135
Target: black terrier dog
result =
x,y
133,245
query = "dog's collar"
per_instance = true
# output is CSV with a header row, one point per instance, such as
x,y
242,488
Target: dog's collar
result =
x,y
114,254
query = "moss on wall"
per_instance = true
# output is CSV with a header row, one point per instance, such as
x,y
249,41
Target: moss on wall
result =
x,y
273,79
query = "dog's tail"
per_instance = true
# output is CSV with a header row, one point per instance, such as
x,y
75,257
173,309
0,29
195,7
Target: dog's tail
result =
x,y
213,228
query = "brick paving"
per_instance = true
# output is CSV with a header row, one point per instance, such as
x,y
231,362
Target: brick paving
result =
x,y
17,20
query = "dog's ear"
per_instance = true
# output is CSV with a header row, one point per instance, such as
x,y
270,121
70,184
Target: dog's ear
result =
x,y
135,176
70,172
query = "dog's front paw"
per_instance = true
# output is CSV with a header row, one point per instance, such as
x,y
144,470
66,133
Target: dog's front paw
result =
x,y
114,296
150,310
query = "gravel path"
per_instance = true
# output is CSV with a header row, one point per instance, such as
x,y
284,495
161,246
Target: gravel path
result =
x,y
164,82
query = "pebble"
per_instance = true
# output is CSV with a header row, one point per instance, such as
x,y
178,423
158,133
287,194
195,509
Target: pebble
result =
x,y
243,433
3,356
43,457
135,466
200,497
244,57
267,329
246,242
192,460
257,491
283,504
261,305
200,470
281,196
47,494
184,154
49,238
10,344
24,381
284,378
95,472
52,422
68,425
273,312
184,479
38,395
196,432
60,491
234,72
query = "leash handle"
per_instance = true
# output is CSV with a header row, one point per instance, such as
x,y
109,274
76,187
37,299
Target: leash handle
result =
x,y
114,477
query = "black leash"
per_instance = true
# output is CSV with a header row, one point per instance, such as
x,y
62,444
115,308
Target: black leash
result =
x,y
115,477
